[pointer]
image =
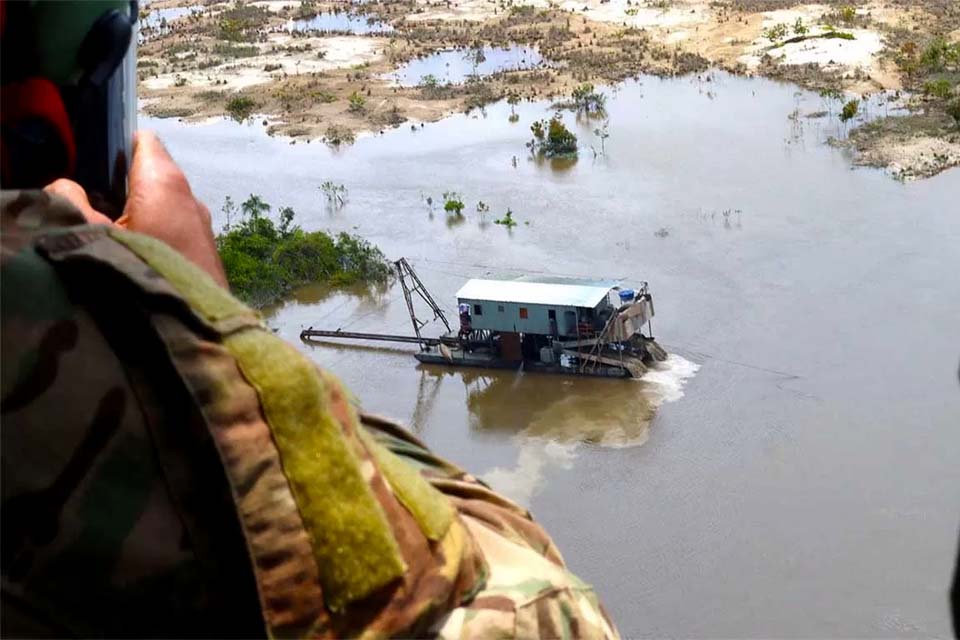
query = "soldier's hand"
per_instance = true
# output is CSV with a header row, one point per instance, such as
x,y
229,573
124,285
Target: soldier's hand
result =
x,y
159,204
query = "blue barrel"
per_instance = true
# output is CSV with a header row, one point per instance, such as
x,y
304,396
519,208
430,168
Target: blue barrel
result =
x,y
627,295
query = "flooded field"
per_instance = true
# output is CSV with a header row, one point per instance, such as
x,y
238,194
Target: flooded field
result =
x,y
791,471
456,65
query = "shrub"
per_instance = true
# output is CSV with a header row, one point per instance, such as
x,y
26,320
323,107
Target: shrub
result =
x,y
586,98
938,88
337,135
939,55
357,102
552,138
453,203
776,32
507,220
849,110
240,107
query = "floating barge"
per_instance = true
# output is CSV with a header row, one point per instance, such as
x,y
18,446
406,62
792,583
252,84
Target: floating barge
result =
x,y
540,324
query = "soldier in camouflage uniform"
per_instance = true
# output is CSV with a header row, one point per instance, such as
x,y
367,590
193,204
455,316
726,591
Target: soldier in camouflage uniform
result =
x,y
170,467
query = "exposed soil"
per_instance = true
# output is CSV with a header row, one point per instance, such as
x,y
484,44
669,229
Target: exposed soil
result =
x,y
334,85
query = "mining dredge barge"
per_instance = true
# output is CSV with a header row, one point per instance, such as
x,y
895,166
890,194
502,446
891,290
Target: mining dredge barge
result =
x,y
541,324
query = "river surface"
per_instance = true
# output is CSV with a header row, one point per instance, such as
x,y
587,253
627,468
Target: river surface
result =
x,y
792,470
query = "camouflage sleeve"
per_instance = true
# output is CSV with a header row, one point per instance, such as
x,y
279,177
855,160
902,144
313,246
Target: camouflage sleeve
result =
x,y
529,593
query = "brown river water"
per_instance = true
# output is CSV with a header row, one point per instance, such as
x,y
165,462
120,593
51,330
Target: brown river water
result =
x,y
792,470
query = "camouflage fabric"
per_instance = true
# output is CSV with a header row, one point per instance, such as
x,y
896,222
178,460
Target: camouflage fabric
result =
x,y
170,467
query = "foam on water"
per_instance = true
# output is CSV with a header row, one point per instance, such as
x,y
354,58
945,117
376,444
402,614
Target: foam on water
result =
x,y
667,379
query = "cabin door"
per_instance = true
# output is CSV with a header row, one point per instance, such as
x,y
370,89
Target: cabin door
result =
x,y
570,323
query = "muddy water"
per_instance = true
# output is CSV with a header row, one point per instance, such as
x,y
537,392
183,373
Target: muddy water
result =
x,y
792,472
455,66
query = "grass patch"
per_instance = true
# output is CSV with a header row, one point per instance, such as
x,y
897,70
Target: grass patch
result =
x,y
229,50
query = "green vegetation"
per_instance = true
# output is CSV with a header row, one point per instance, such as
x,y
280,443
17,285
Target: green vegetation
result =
x,y
229,50
265,261
552,139
588,99
357,102
453,203
776,33
849,110
800,29
940,55
938,88
240,107
507,220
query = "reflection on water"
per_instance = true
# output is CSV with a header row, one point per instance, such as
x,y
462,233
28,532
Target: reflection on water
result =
x,y
340,22
455,66
552,421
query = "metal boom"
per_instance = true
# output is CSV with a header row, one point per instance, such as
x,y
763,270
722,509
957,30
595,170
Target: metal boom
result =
x,y
404,269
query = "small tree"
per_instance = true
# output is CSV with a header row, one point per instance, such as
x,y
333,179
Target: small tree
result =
x,y
849,110
254,207
229,209
799,28
286,219
513,100
603,134
336,194
587,99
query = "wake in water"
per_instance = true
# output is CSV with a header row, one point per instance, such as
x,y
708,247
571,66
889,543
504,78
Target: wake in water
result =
x,y
555,436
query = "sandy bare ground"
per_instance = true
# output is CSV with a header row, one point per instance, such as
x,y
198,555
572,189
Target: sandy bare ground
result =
x,y
304,83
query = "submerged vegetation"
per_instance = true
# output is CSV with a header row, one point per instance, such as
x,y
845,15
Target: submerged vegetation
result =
x,y
265,260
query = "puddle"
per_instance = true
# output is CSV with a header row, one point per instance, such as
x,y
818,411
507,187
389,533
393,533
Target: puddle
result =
x,y
159,18
340,22
454,66
157,22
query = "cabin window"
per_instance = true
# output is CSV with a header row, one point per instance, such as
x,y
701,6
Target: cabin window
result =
x,y
477,310
523,313
552,314
500,308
